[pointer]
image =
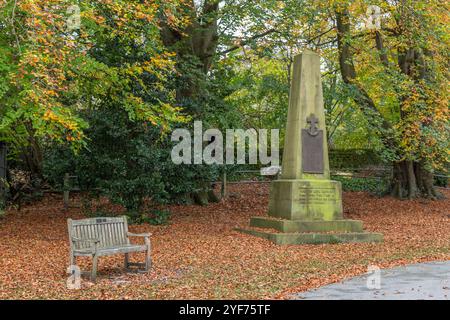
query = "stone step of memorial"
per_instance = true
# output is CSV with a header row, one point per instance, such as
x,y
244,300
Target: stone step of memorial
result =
x,y
292,226
315,238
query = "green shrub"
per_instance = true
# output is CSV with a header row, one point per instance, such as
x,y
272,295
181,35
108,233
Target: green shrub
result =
x,y
373,185
441,180
2,207
127,162
92,210
154,217
354,158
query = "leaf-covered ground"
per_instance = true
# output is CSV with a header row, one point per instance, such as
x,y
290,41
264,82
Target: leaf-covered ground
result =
x,y
199,255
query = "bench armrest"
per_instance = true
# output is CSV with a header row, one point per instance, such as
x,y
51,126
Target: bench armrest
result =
x,y
146,237
130,234
94,243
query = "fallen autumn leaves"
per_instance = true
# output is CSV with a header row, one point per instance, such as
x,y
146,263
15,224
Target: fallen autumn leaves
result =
x,y
199,255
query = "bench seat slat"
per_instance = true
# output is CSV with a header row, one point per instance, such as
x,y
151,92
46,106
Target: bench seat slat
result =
x,y
111,250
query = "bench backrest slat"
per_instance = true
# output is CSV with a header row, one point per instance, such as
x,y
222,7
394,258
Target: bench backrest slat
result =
x,y
110,231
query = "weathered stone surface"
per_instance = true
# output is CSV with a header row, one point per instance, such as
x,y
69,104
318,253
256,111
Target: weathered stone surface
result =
x,y
305,100
306,199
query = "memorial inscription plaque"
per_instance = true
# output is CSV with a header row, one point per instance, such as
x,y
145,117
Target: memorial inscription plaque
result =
x,y
317,195
312,147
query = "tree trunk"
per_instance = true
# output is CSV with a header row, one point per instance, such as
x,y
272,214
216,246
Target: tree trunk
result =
x,y
349,76
31,155
195,46
411,180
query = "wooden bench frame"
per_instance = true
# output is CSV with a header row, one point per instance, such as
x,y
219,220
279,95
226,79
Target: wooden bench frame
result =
x,y
96,237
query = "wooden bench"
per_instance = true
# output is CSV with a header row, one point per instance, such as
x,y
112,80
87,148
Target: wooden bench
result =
x,y
98,237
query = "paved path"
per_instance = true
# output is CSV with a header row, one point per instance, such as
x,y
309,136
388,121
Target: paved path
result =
x,y
424,281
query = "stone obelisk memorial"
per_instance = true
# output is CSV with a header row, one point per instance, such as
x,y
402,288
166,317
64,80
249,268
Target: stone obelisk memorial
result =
x,y
305,205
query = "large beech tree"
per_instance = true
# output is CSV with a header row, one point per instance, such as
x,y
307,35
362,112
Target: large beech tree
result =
x,y
49,71
398,75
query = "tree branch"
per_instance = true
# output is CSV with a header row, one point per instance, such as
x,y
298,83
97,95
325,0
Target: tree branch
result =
x,y
380,47
247,41
348,72
13,15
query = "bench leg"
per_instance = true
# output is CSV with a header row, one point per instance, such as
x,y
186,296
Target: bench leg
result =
x,y
148,261
72,260
148,257
126,261
94,268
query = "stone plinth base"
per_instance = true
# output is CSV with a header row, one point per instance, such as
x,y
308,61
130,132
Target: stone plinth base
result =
x,y
315,238
308,212
306,200
310,232
290,226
